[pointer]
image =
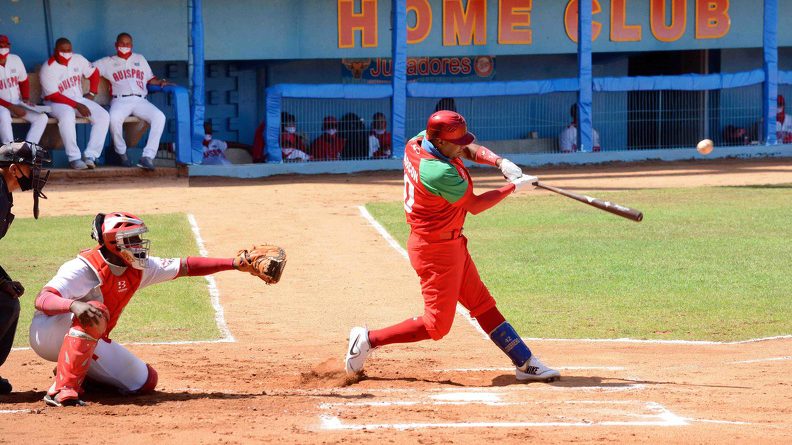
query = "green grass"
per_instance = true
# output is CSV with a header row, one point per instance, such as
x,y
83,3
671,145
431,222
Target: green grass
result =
x,y
705,263
32,252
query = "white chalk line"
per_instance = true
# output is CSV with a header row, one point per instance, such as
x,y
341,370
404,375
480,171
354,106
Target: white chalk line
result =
x,y
18,411
566,368
769,359
660,416
214,293
461,310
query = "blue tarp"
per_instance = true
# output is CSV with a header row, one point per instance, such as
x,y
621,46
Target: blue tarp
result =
x,y
688,82
199,90
585,93
480,89
770,65
785,77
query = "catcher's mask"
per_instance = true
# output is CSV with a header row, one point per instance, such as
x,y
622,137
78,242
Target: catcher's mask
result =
x,y
28,153
120,233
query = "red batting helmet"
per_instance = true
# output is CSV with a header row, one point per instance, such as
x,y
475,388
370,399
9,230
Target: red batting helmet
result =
x,y
120,233
450,127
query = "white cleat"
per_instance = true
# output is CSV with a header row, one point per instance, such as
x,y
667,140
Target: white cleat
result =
x,y
359,348
535,371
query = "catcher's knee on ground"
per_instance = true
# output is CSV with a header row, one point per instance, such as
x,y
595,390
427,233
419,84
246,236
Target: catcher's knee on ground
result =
x,y
116,366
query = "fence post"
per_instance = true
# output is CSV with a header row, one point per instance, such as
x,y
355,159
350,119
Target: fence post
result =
x,y
770,65
399,60
585,94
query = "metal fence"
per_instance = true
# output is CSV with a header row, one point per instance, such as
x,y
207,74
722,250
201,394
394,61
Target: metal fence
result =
x,y
639,120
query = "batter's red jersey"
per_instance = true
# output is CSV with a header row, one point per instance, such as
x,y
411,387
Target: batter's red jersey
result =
x,y
428,209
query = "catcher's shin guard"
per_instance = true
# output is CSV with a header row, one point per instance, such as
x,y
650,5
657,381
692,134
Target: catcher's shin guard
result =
x,y
74,360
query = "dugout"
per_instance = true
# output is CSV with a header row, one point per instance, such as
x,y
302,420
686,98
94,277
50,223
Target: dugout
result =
x,y
653,78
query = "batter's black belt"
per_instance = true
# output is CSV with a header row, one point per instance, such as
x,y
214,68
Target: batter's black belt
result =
x,y
127,95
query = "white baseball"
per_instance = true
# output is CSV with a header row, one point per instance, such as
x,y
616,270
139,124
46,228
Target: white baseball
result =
x,y
705,147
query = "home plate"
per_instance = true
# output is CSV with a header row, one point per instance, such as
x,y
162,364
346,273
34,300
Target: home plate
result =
x,y
491,410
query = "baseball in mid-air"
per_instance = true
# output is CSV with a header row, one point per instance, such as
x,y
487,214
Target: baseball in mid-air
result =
x,y
705,147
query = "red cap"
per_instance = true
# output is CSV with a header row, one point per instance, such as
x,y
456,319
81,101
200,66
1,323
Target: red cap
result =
x,y
4,39
450,127
781,100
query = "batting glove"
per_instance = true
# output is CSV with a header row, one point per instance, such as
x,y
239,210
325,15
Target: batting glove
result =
x,y
510,170
524,182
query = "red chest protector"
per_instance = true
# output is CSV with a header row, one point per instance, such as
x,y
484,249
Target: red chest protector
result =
x,y
116,290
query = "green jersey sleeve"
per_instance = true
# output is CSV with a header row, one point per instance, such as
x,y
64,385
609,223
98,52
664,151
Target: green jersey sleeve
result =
x,y
442,179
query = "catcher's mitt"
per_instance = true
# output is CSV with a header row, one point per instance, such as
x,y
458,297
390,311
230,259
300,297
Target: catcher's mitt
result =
x,y
264,261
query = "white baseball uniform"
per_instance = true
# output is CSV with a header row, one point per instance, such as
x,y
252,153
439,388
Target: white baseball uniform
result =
x,y
112,364
214,152
10,76
67,80
128,79
567,140
784,129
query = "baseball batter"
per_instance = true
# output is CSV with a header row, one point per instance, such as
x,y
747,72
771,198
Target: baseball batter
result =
x,y
438,194
61,84
129,74
78,308
14,90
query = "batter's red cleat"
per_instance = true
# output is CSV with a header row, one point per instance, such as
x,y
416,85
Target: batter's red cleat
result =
x,y
535,371
359,348
64,397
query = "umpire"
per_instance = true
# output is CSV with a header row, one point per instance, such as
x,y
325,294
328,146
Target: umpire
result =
x,y
20,169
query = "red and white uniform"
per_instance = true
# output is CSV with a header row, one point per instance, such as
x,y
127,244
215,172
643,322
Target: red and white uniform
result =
x,y
128,79
89,277
14,78
67,80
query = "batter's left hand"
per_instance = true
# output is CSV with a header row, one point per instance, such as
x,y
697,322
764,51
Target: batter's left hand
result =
x,y
525,182
510,170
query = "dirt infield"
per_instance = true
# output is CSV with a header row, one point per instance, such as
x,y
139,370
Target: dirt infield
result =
x,y
282,380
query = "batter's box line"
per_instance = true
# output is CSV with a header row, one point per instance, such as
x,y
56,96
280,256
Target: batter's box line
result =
x,y
462,311
661,416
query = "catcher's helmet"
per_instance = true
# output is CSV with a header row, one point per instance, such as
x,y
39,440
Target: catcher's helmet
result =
x,y
120,232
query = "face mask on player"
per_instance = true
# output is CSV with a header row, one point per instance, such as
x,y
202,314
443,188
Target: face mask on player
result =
x,y
65,56
780,110
124,49
4,51
379,131
291,130
331,131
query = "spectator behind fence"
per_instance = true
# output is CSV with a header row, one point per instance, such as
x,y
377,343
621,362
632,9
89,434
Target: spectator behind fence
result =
x,y
213,149
446,103
292,143
258,152
61,84
129,74
783,123
379,131
567,140
329,145
353,130
15,97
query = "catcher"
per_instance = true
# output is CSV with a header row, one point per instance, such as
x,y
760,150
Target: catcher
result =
x,y
80,306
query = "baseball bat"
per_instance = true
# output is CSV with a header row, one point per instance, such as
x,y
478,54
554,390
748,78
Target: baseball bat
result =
x,y
616,209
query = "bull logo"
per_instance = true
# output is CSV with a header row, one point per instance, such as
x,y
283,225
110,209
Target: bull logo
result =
x,y
356,66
